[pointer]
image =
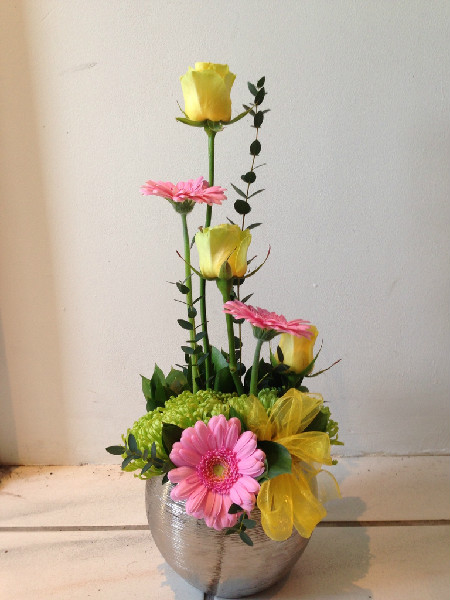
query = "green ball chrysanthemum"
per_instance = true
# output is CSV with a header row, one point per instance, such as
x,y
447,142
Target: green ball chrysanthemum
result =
x,y
185,410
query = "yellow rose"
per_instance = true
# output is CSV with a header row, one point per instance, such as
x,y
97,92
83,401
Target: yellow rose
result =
x,y
206,91
220,244
298,352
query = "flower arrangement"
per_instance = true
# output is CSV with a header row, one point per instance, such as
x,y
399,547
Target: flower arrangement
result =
x,y
226,437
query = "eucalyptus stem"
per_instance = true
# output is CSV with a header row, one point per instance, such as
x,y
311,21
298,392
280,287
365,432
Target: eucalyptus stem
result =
x,y
224,286
255,368
188,283
206,346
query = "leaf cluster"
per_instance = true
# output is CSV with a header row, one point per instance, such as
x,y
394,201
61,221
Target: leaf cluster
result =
x,y
242,205
243,523
160,388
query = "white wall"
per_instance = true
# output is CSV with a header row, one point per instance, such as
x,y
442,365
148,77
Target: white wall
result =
x,y
356,206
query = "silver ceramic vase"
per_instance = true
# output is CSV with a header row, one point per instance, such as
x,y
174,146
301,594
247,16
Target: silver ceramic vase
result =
x,y
215,563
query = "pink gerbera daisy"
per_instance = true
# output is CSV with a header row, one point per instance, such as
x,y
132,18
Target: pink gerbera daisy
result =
x,y
216,466
195,190
269,321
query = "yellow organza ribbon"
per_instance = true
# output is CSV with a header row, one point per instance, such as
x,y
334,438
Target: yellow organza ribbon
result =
x,y
292,499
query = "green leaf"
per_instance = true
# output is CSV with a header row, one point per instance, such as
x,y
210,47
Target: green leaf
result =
x,y
224,381
242,207
234,509
258,119
200,335
320,421
146,467
255,147
261,82
132,445
238,191
165,479
116,450
158,384
202,359
192,312
245,538
253,225
250,176
188,350
278,458
170,434
185,324
176,381
126,462
240,116
218,359
249,523
244,300
146,387
252,89
281,368
260,96
183,288
249,110
280,354
189,122
257,192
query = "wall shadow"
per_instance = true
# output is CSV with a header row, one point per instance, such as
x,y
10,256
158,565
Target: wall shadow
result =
x,y
32,423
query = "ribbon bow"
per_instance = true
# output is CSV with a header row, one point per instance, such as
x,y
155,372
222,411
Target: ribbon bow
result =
x,y
291,499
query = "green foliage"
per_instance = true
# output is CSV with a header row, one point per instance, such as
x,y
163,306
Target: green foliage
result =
x,y
323,422
278,459
255,148
170,434
242,207
116,450
258,119
159,388
243,523
185,324
250,176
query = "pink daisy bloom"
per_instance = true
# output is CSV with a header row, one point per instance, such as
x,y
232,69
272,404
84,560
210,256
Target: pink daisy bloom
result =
x,y
195,190
263,319
216,466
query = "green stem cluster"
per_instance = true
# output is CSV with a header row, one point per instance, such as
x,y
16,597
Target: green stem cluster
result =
x,y
188,283
225,286
206,346
255,368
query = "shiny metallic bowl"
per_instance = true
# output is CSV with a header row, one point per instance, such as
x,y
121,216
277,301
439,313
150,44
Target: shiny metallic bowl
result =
x,y
211,561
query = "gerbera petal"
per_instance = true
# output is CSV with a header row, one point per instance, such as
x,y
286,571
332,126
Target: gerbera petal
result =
x,y
246,445
250,484
177,475
189,457
195,500
232,435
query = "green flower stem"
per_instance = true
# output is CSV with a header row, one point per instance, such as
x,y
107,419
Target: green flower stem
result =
x,y
255,368
211,136
225,286
188,283
206,346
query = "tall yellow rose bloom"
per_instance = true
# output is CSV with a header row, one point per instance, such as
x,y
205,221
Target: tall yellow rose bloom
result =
x,y
298,352
206,91
220,244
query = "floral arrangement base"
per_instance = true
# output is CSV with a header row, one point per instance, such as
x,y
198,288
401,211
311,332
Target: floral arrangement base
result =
x,y
210,560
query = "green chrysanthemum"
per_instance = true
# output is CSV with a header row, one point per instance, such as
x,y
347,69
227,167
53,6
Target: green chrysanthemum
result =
x,y
185,410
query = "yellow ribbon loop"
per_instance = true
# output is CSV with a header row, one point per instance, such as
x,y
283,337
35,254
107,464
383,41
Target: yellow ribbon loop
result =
x,y
291,500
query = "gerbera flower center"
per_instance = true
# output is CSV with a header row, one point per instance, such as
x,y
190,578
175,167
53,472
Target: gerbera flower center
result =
x,y
218,470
